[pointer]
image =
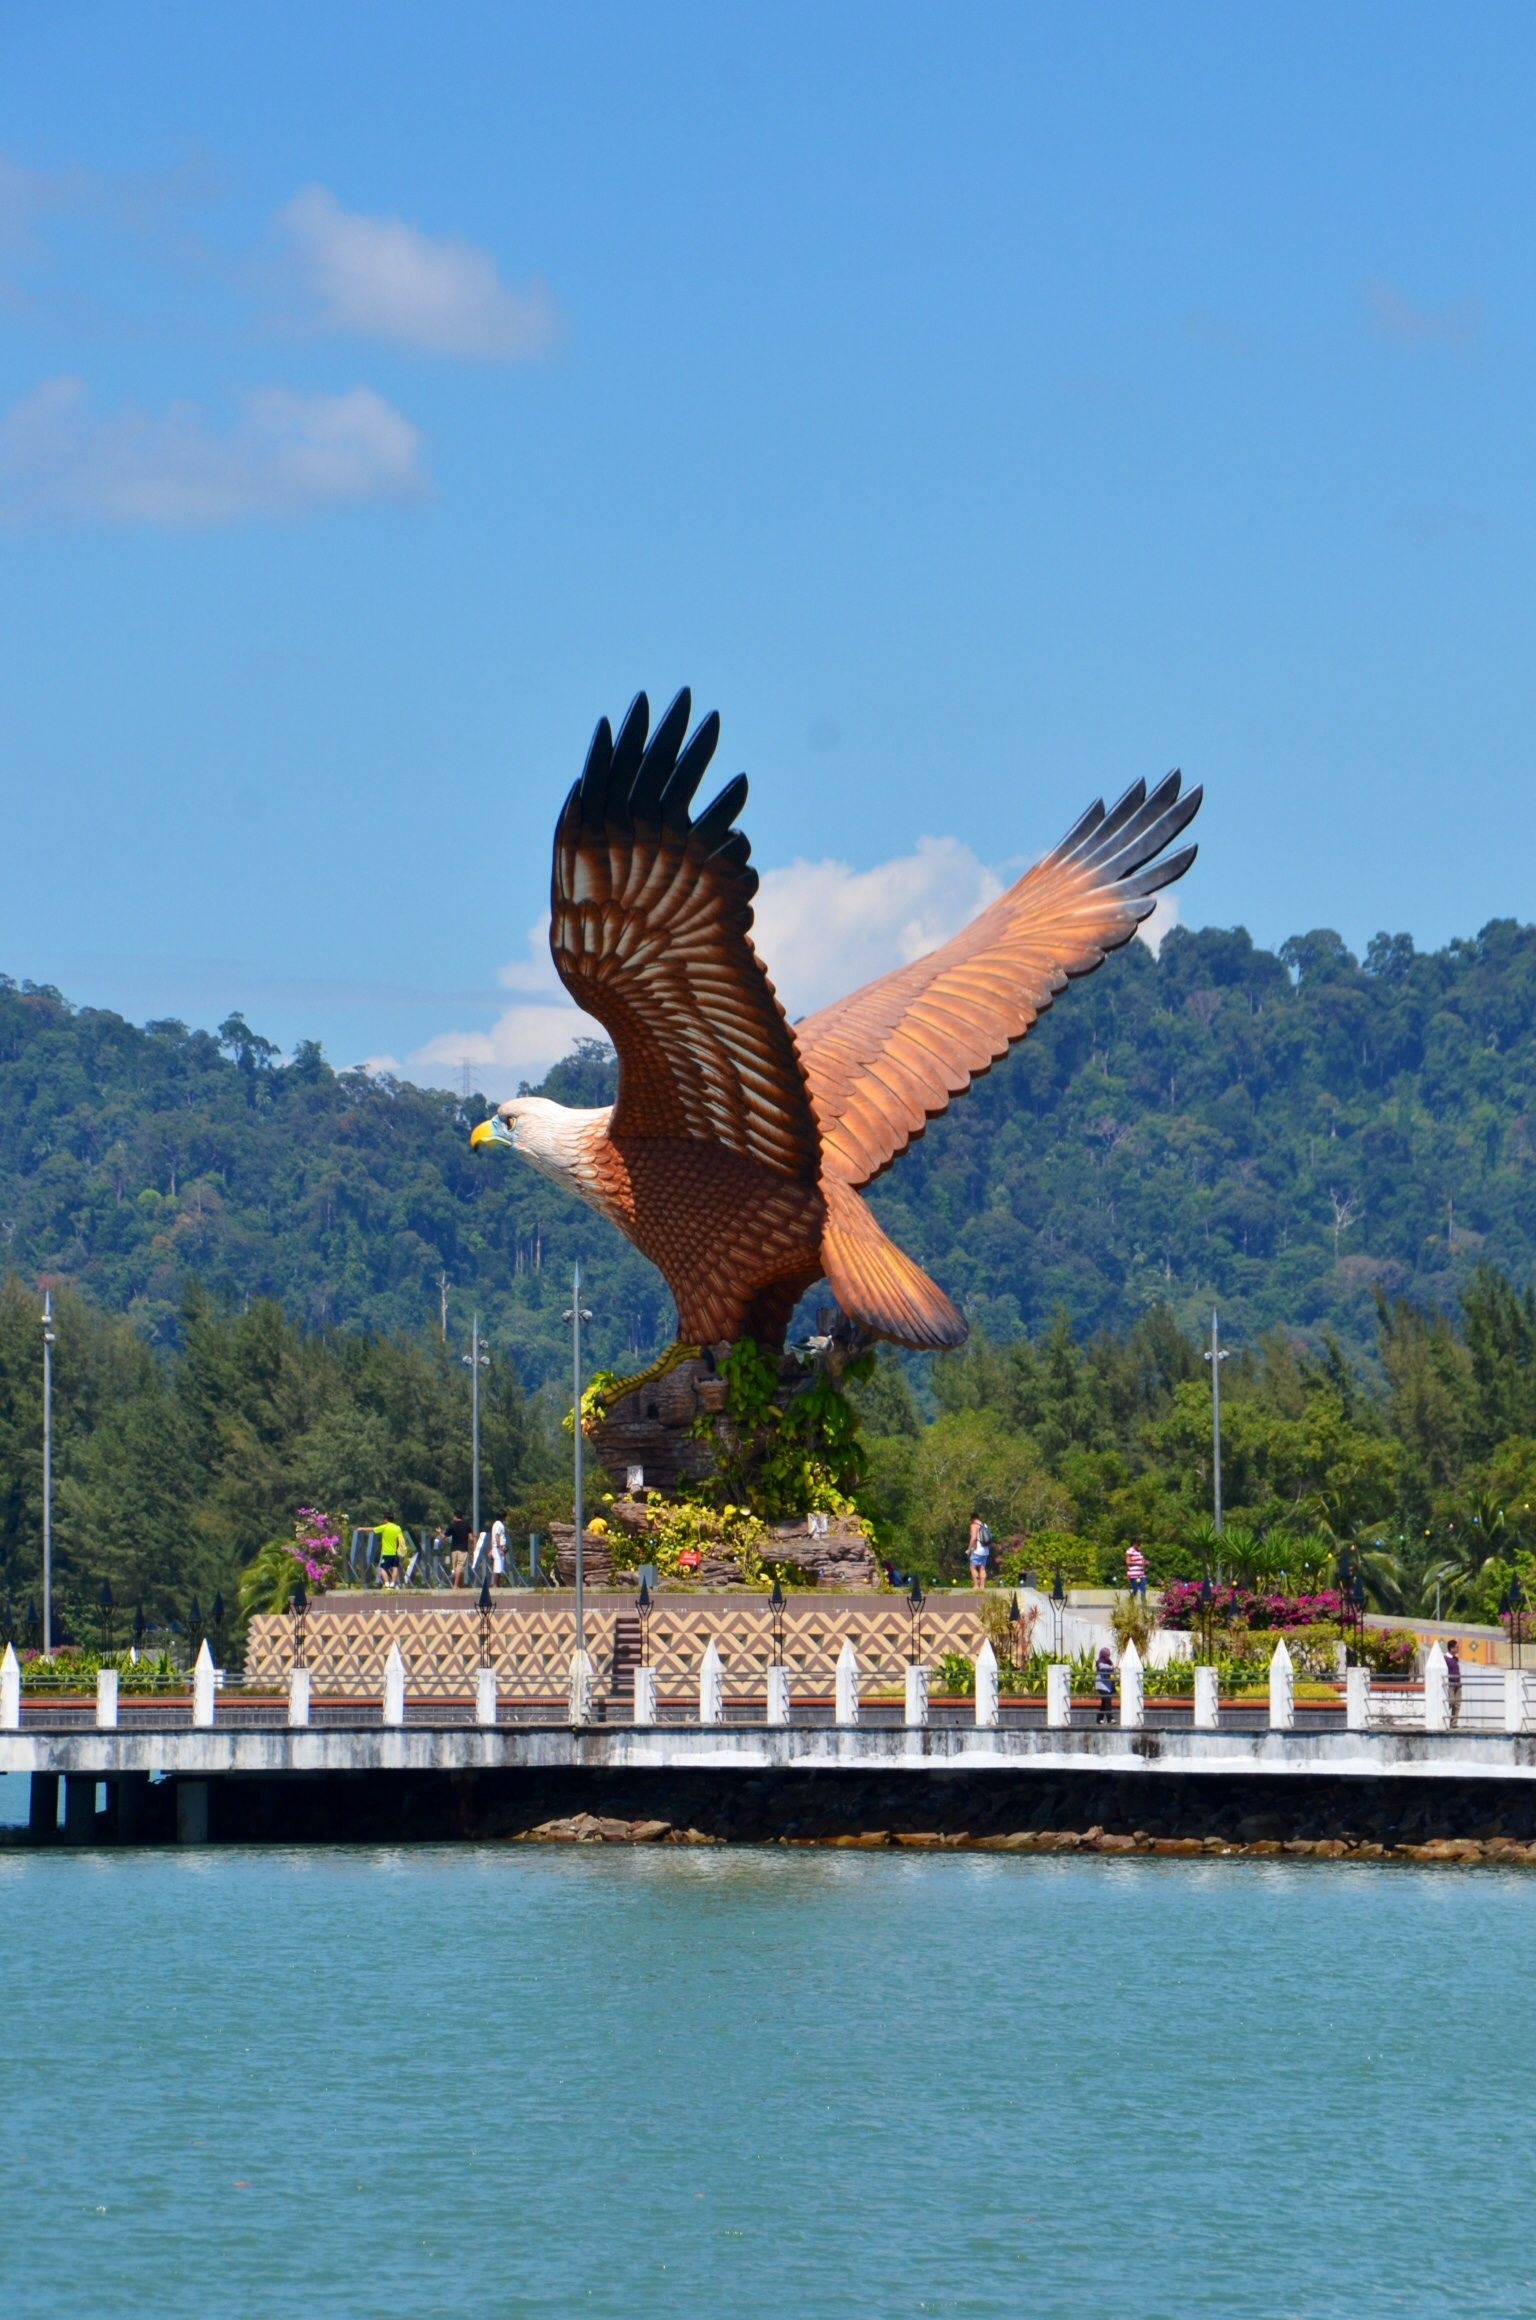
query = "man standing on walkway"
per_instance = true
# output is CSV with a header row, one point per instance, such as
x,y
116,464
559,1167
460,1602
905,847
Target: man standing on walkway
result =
x,y
459,1537
1453,1677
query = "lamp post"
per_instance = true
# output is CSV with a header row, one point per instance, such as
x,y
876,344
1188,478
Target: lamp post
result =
x,y
1015,1615
1058,1606
1216,1356
776,1621
475,1361
299,1607
1207,1591
485,1621
576,1316
643,1607
106,1614
915,1602
47,1473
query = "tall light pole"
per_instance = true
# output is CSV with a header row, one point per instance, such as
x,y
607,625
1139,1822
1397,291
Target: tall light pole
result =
x,y
47,1473
576,1316
477,1362
1216,1356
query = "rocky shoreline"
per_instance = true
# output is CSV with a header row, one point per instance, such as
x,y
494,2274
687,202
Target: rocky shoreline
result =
x,y
599,1829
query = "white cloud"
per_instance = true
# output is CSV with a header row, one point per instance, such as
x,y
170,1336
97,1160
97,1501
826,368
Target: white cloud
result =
x,y
1164,917
523,1041
382,278
823,928
286,454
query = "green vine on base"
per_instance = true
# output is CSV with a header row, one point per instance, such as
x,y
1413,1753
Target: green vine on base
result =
x,y
606,1387
784,1459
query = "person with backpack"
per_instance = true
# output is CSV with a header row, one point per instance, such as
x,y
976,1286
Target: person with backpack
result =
x,y
979,1553
1104,1685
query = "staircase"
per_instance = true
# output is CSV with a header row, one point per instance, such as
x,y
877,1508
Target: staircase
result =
x,y
626,1658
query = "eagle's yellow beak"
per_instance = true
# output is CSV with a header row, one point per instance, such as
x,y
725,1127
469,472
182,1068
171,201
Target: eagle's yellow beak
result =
x,y
492,1131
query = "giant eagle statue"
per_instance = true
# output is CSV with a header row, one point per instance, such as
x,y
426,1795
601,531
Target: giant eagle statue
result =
x,y
739,1148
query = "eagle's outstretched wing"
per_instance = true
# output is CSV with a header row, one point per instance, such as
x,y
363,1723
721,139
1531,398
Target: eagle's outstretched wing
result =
x,y
888,1059
650,930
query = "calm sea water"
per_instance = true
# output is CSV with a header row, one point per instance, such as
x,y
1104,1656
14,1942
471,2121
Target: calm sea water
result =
x,y
497,2081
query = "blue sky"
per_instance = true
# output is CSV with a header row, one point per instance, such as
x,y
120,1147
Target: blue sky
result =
x,y
980,406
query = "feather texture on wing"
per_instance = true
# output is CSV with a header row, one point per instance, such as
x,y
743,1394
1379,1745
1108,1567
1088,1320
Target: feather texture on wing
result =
x,y
889,1058
651,911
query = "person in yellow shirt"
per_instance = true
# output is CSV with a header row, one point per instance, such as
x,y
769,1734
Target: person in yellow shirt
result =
x,y
392,1552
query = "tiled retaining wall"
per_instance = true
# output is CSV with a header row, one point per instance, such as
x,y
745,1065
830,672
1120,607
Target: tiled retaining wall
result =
x,y
533,1636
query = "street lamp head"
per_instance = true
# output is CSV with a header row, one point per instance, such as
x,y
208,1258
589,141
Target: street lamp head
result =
x,y
1058,1590
106,1595
915,1595
643,1600
776,1599
485,1593
300,1600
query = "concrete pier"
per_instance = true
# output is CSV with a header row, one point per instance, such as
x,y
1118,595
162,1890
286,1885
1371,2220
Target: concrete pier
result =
x,y
874,1783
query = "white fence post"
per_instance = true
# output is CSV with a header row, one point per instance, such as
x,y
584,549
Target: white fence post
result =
x,y
1207,1700
778,1695
10,1691
106,1699
1357,1699
848,1683
1058,1695
711,1686
298,1696
987,1711
1514,1700
1282,1690
1133,1709
917,1695
1437,1690
394,1687
579,1698
645,1695
485,1695
202,1688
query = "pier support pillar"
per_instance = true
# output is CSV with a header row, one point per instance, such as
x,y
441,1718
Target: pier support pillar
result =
x,y
128,1804
1058,1696
1437,1690
191,1812
43,1805
298,1696
106,1699
485,1696
1357,1699
1514,1700
79,1809
645,1695
917,1695
778,1695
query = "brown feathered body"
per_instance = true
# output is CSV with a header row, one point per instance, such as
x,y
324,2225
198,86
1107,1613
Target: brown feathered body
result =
x,y
737,1151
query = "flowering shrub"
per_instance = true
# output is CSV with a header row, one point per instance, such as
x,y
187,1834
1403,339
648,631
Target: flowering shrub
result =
x,y
1233,1606
316,1547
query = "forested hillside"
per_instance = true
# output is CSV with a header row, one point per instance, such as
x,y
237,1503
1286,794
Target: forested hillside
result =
x,y
1282,1134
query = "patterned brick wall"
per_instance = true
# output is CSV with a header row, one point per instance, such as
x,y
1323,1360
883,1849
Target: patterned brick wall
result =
x,y
532,1637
